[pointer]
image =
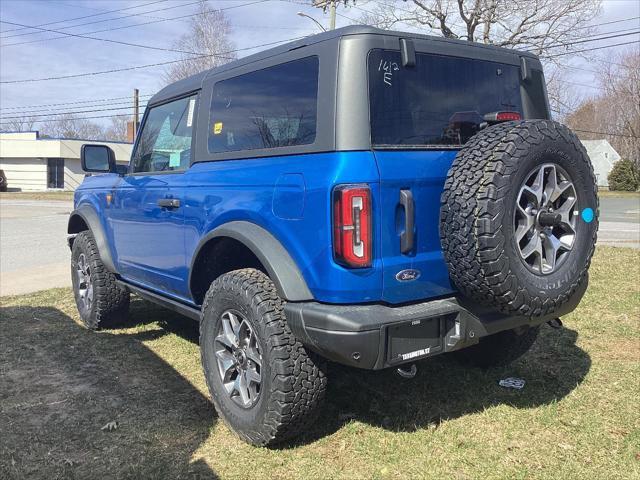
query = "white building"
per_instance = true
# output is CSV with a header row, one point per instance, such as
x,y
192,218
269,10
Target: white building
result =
x,y
602,156
31,163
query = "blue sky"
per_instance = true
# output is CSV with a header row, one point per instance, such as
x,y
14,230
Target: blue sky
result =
x,y
265,22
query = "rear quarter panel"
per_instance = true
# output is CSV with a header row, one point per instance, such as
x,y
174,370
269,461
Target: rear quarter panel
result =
x,y
289,196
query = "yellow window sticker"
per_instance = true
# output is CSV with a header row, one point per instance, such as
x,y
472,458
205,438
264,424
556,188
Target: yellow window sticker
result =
x,y
217,128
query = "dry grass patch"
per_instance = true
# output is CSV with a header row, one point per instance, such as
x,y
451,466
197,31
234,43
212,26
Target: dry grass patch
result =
x,y
577,417
53,195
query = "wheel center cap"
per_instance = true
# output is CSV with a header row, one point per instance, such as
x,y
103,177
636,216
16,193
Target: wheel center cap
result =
x,y
546,218
241,357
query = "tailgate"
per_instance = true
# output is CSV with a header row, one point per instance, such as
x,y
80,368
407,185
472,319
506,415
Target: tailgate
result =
x,y
412,178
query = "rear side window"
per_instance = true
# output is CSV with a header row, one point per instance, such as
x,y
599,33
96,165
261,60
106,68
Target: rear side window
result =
x,y
269,108
440,101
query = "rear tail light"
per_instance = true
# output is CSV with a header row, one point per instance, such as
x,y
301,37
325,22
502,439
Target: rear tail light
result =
x,y
352,225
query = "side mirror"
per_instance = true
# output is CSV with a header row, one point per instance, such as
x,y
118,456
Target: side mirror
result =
x,y
98,158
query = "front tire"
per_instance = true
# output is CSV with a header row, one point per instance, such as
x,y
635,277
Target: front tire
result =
x,y
100,300
263,382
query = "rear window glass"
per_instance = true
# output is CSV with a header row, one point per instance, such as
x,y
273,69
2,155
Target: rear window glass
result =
x,y
440,101
269,108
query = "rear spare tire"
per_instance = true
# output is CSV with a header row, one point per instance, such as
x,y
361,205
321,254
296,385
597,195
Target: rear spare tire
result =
x,y
518,217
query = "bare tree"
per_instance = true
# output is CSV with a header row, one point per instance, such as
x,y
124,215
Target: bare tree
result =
x,y
17,123
621,86
541,26
615,113
208,39
71,126
117,131
563,97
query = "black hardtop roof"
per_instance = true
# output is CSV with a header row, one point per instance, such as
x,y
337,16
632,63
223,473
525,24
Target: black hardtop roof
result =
x,y
194,82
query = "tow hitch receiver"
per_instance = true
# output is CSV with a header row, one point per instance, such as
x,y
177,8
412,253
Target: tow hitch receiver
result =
x,y
555,323
407,371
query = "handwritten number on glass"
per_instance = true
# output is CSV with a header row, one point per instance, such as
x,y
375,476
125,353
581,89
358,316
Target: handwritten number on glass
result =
x,y
387,68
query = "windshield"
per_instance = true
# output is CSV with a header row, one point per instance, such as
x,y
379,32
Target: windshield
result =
x,y
440,101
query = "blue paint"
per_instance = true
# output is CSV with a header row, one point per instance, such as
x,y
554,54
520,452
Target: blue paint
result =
x,y
587,215
154,247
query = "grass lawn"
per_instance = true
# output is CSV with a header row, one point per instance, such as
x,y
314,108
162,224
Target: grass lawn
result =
x,y
577,417
53,195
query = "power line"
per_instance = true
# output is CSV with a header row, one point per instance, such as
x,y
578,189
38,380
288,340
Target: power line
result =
x,y
550,46
80,18
137,67
70,103
590,49
579,84
87,118
108,40
74,113
63,110
141,24
586,40
604,133
413,12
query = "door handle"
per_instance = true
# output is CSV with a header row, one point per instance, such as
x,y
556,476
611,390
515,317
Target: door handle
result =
x,y
168,202
407,237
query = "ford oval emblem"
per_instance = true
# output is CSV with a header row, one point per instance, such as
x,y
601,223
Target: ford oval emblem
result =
x,y
408,275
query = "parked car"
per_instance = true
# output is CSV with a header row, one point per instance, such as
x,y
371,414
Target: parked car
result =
x,y
3,181
367,197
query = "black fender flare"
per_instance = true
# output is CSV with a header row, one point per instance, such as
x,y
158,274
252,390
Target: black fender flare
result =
x,y
280,267
90,218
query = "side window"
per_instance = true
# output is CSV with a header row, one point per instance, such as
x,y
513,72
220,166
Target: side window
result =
x,y
269,108
165,140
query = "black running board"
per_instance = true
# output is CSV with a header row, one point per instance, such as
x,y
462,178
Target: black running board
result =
x,y
163,301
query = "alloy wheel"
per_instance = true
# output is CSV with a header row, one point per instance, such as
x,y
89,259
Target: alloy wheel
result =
x,y
544,218
85,283
239,359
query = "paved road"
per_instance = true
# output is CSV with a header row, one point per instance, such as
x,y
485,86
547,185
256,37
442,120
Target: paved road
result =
x,y
34,255
619,222
33,250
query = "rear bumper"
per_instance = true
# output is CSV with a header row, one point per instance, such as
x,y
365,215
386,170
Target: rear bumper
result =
x,y
378,336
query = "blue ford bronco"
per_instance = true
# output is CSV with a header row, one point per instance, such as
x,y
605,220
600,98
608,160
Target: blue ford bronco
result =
x,y
365,197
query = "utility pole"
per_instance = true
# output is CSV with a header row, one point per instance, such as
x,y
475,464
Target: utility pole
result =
x,y
332,15
136,111
331,5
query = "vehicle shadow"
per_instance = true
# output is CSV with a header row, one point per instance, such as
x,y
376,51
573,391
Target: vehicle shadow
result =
x,y
61,387
60,384
443,389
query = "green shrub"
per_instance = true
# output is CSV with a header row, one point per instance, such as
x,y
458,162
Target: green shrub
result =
x,y
624,176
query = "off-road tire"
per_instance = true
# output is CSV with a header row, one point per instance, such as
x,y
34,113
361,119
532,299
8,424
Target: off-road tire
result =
x,y
111,301
499,349
477,209
293,380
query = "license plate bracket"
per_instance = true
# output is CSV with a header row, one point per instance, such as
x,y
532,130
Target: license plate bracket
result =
x,y
414,339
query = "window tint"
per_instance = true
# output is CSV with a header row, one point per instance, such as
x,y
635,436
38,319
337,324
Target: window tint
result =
x,y
165,140
274,107
440,101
